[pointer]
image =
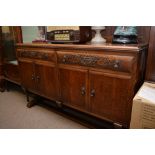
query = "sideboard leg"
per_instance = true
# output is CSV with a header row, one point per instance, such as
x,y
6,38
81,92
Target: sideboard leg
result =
x,y
59,104
2,85
6,85
31,103
27,96
2,89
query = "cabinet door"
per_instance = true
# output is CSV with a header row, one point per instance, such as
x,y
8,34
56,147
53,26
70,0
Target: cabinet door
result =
x,y
12,72
73,87
110,96
27,74
46,80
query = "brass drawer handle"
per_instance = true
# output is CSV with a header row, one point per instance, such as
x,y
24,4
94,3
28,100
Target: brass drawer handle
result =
x,y
116,64
32,77
92,93
83,91
38,78
64,59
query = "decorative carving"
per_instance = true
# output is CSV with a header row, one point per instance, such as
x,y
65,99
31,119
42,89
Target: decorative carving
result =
x,y
108,62
37,55
80,59
88,60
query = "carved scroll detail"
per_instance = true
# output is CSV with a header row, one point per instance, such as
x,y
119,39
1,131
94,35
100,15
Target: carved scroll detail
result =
x,y
91,61
37,55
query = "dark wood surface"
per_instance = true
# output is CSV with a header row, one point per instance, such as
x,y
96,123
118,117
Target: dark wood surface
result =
x,y
111,95
1,63
16,30
8,41
73,86
88,46
27,74
11,72
100,80
40,72
46,80
0,51
150,70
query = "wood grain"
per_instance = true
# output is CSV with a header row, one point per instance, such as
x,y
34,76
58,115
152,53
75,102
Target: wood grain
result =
x,y
80,83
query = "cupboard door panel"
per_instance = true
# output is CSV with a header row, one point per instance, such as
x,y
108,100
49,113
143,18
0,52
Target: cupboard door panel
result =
x,y
111,96
73,87
46,80
12,72
27,74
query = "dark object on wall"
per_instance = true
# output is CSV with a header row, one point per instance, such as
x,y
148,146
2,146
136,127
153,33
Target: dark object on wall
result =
x,y
125,35
67,34
150,70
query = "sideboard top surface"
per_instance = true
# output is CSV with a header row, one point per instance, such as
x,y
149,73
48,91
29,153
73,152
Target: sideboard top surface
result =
x,y
88,46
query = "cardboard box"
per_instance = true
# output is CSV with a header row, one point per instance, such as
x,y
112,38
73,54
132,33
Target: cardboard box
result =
x,y
143,109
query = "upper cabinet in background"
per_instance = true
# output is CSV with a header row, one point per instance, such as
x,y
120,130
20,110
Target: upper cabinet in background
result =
x,y
10,36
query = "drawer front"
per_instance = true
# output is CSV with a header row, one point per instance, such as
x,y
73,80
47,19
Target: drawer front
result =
x,y
101,61
35,54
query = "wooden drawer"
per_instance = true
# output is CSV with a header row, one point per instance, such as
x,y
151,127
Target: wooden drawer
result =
x,y
101,61
12,72
37,54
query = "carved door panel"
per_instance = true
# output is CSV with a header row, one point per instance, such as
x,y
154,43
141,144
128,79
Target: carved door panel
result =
x,y
109,96
46,80
73,85
27,74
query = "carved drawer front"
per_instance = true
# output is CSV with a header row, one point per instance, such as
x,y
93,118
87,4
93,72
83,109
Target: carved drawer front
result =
x,y
35,54
101,61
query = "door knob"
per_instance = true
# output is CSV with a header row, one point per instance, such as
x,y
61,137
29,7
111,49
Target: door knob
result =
x,y
117,64
64,59
32,77
38,78
83,91
92,93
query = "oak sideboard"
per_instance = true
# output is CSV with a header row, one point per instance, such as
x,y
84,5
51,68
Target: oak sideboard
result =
x,y
99,80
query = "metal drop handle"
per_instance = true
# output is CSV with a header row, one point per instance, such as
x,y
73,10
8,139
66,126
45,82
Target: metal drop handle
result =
x,y
92,93
64,58
117,64
83,91
38,78
32,77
